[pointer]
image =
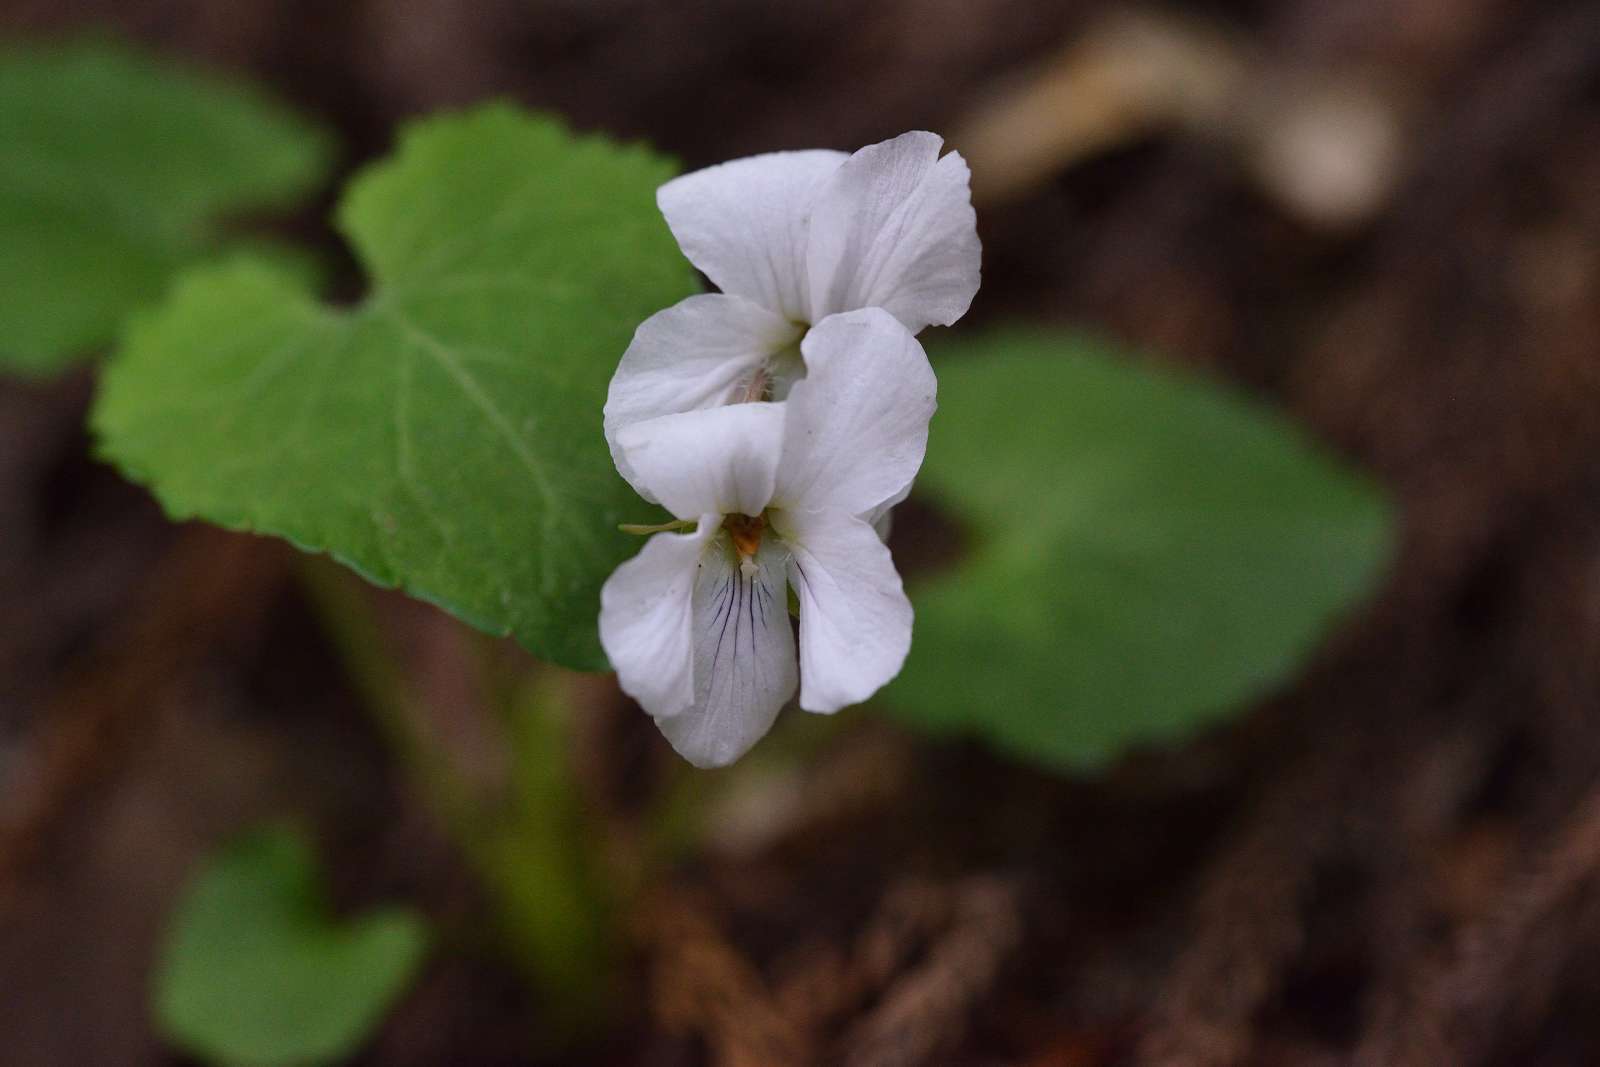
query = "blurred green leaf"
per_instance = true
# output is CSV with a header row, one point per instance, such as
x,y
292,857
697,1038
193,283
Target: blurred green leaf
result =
x,y
116,170
256,972
1148,551
443,436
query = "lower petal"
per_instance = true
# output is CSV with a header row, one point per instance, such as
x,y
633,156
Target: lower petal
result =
x,y
744,659
855,620
646,618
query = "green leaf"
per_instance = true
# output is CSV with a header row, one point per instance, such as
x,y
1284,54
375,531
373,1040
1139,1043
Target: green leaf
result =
x,y
255,972
117,170
444,435
1148,551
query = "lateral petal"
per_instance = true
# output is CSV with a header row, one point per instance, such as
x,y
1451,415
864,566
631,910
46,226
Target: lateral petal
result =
x,y
699,353
646,613
881,518
857,424
721,460
855,620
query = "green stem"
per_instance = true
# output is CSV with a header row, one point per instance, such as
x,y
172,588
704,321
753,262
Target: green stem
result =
x,y
339,602
660,527
530,852
544,869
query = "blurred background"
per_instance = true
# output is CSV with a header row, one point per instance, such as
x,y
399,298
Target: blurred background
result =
x,y
1379,217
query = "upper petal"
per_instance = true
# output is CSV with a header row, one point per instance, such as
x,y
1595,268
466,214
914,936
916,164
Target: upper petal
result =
x,y
719,460
743,223
646,619
855,620
699,353
894,228
857,424
744,661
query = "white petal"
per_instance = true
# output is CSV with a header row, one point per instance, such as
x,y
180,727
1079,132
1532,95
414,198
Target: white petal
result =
x,y
744,661
646,619
719,460
743,223
881,521
857,424
894,228
699,353
881,518
855,620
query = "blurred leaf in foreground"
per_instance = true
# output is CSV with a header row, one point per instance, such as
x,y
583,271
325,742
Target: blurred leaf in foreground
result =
x,y
116,169
444,435
256,971
1148,551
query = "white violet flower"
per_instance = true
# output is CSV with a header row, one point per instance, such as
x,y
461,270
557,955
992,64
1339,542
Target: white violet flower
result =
x,y
790,238
697,624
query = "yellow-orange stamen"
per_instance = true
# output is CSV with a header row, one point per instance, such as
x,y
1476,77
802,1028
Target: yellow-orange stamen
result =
x,y
745,531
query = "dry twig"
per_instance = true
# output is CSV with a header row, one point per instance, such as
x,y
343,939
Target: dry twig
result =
x,y
928,1009
1508,958
702,985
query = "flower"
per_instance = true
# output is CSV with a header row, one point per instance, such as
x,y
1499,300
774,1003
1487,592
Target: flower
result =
x,y
791,238
697,624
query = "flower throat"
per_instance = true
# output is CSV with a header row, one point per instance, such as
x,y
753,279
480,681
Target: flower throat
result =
x,y
745,533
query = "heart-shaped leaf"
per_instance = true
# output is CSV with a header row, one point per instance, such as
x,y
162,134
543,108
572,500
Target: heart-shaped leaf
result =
x,y
116,170
256,971
1148,551
445,434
